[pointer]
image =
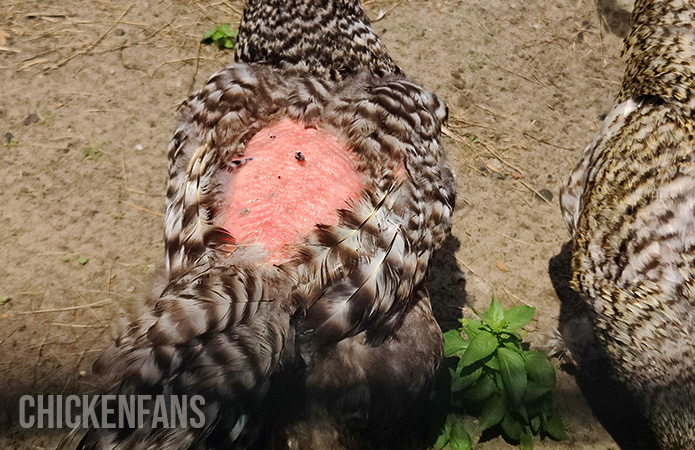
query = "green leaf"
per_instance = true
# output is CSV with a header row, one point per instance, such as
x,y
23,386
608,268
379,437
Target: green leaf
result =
x,y
521,411
513,373
82,261
4,299
460,439
535,390
554,427
511,337
498,381
493,363
480,390
511,342
441,442
471,327
222,35
514,346
492,413
443,437
535,424
460,382
494,315
454,343
526,440
518,317
539,368
481,345
511,426
91,153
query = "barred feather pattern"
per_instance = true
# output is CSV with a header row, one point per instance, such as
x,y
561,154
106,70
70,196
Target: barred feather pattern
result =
x,y
327,38
218,331
370,263
354,279
630,207
227,319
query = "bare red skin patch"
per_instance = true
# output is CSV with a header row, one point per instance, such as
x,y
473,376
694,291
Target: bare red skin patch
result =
x,y
298,178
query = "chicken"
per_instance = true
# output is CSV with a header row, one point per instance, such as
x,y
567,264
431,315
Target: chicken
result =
x,y
629,204
308,190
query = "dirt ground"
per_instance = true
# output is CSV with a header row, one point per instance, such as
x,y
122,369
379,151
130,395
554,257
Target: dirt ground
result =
x,y
88,94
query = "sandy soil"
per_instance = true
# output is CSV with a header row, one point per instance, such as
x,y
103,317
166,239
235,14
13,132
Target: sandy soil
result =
x,y
88,97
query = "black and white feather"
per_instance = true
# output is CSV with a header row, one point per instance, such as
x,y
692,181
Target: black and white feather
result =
x,y
347,316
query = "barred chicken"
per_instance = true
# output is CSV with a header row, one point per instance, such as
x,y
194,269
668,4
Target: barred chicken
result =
x,y
630,207
308,189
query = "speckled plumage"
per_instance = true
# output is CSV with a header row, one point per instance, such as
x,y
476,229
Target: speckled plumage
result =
x,y
350,307
630,207
328,38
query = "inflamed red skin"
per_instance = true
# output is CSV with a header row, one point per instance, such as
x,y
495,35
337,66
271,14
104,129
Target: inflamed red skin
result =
x,y
289,179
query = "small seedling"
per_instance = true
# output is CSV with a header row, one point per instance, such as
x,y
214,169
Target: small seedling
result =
x,y
498,380
10,141
222,35
91,153
4,299
81,260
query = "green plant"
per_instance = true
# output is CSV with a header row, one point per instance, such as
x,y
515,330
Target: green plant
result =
x,y
499,380
10,141
91,153
454,434
81,260
222,35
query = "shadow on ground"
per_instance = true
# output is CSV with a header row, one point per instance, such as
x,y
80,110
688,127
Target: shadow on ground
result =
x,y
610,401
447,285
615,19
48,435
